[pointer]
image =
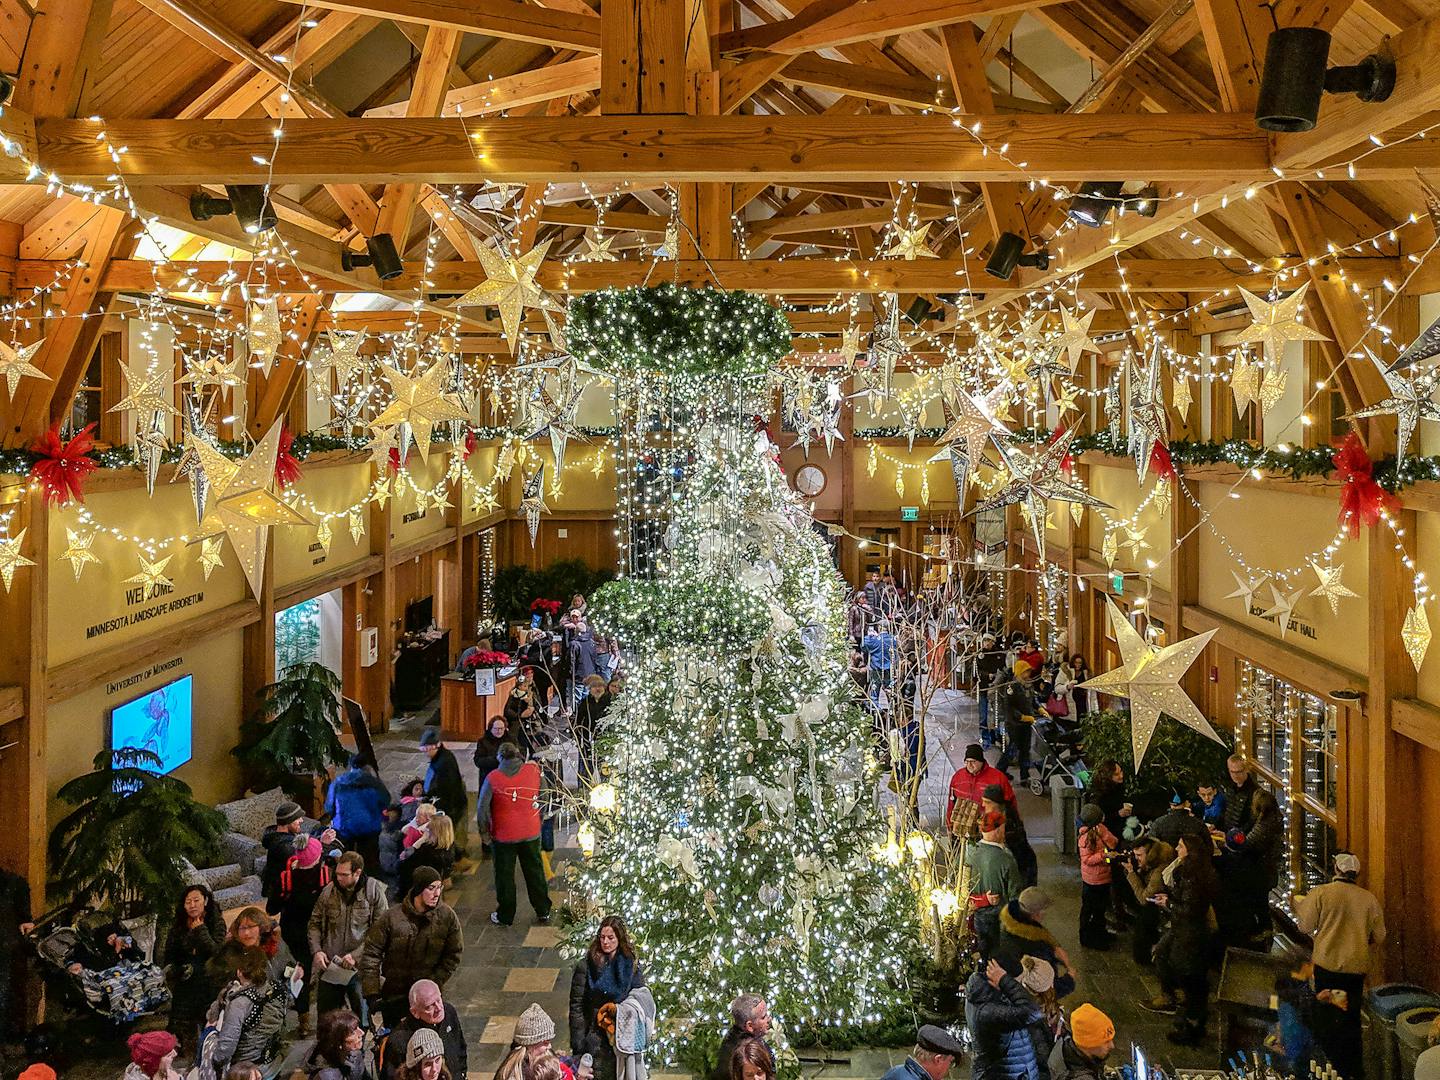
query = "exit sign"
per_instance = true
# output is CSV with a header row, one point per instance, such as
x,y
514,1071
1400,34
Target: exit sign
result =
x,y
909,513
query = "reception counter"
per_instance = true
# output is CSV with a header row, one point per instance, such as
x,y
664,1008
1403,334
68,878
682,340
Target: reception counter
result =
x,y
464,714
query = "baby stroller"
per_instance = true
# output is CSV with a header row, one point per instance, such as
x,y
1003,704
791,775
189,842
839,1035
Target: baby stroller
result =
x,y
1061,743
117,980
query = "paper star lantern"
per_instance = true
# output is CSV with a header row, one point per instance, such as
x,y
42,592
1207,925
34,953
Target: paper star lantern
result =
x,y
1422,348
343,356
149,391
1180,396
597,248
1330,586
1134,541
420,402
15,365
357,527
532,501
151,575
1281,605
1036,477
1272,388
10,557
1415,634
213,371
910,245
77,550
483,501
263,333
1075,340
1276,323
210,560
1147,416
245,507
323,535
1244,382
1150,678
1410,401
381,493
1245,589
509,285
1110,547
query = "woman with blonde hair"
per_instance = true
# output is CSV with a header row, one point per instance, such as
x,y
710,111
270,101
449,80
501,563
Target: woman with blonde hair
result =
x,y
437,850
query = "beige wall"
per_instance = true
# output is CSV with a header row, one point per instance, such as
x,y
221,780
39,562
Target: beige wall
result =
x,y
298,555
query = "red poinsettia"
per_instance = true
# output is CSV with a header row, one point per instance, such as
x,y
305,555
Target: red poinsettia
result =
x,y
546,607
64,466
1361,498
287,466
485,658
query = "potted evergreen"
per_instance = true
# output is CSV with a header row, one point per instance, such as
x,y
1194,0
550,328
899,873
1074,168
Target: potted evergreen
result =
x,y
294,735
124,846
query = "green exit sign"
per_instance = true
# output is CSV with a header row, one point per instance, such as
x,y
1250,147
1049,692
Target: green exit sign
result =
x,y
909,513
1117,583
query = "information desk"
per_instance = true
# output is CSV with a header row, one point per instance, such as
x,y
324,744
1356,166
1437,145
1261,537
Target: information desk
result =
x,y
463,714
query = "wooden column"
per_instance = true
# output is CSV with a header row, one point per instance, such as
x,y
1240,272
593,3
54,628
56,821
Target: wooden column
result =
x,y
378,611
258,649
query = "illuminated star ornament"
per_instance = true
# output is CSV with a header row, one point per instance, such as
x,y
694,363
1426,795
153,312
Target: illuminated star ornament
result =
x,y
210,560
510,285
1281,605
1422,348
263,333
324,535
1415,634
1330,586
1150,678
10,557
151,575
1245,589
420,403
244,505
532,501
597,248
1035,478
343,356
974,422
1180,396
1147,416
1410,401
1276,323
15,365
357,527
212,371
1244,382
77,550
910,245
1075,340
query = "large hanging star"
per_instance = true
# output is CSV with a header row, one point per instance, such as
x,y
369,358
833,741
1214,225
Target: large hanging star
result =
x,y
1244,382
1150,678
888,346
1281,605
1330,585
10,557
149,392
910,245
1245,589
1075,340
1276,323
421,402
1036,477
343,356
15,365
532,501
151,574
562,409
77,550
963,442
244,505
510,285
1422,348
263,333
1147,416
1410,400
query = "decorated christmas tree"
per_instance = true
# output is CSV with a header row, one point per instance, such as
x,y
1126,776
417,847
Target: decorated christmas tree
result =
x,y
734,825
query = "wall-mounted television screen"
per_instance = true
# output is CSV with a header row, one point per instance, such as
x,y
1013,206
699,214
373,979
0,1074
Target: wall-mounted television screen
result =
x,y
419,614
159,721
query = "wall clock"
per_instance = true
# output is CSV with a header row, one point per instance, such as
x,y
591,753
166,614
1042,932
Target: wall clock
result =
x,y
810,480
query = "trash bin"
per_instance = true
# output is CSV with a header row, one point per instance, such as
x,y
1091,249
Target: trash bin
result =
x,y
1064,810
1383,1006
1412,1033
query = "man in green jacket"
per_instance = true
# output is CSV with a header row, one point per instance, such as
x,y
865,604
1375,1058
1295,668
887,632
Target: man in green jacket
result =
x,y
419,938
994,879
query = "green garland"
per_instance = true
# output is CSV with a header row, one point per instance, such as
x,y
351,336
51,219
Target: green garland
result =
x,y
678,330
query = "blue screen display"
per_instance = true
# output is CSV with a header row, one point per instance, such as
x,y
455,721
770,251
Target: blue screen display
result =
x,y
159,722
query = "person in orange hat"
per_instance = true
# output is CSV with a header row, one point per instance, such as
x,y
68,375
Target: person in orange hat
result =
x,y
1019,709
1081,1054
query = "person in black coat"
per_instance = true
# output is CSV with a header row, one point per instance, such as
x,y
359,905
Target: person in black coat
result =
x,y
15,923
604,976
195,937
1239,793
998,1015
444,786
1023,934
1182,957
592,707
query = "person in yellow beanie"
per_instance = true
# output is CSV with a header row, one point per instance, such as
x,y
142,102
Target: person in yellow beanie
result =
x,y
1018,709
1081,1054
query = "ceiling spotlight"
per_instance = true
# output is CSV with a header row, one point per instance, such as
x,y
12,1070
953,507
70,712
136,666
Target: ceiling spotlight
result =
x,y
1094,202
7,87
380,253
248,202
1143,202
920,310
1295,78
1009,252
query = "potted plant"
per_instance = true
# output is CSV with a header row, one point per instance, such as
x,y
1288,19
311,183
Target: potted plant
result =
x,y
125,843
485,658
294,736
548,610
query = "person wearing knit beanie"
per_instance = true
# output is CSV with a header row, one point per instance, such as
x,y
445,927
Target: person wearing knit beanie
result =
x,y
1092,1031
534,1032
151,1053
424,1046
38,1071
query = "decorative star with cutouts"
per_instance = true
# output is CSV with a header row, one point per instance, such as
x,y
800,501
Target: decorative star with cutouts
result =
x,y
77,550
482,500
1147,416
421,402
1245,589
324,535
1180,396
532,501
1276,323
1330,586
1415,634
263,333
15,365
1134,541
1244,382
210,559
1150,678
1075,340
213,371
1281,605
1272,389
1422,348
10,557
151,575
597,247
149,392
1410,401
910,244
381,493
510,285
1036,477
343,355
1065,400
357,526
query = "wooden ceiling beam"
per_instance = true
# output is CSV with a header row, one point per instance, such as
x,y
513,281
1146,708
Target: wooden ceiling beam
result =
x,y
1235,33
63,42
1188,147
892,87
972,94
864,20
490,96
510,19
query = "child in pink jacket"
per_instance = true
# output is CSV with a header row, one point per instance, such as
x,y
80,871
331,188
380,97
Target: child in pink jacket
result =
x,y
1097,846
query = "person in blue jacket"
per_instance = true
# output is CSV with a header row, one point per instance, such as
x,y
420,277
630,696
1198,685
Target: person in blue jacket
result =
x,y
356,802
998,1015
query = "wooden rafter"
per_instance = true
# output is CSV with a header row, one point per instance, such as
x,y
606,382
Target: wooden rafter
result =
x,y
862,20
63,41
494,18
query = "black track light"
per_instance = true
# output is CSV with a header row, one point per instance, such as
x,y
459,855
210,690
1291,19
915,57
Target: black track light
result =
x,y
7,87
1009,252
1094,202
919,310
1295,78
248,202
380,253
1144,202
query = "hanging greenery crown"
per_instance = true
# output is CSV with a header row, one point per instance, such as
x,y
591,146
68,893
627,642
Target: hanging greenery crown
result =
x,y
678,330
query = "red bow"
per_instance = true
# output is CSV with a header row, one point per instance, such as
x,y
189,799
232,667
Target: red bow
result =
x,y
395,462
469,447
1361,499
287,466
63,467
1160,463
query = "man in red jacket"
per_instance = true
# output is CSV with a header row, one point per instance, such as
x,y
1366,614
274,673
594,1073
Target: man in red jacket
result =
x,y
510,813
971,779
